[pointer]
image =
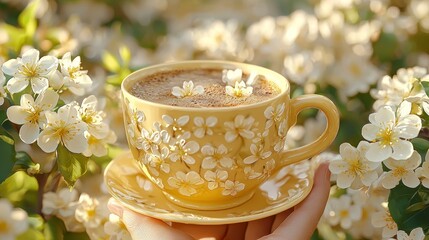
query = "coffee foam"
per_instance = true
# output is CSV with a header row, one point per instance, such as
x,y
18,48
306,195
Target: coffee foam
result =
x,y
157,88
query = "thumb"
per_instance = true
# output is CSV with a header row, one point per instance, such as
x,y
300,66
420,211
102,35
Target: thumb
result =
x,y
143,227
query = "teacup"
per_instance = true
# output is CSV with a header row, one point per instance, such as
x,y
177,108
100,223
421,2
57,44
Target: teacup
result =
x,y
161,140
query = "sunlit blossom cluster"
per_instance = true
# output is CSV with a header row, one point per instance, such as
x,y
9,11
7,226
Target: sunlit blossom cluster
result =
x,y
41,112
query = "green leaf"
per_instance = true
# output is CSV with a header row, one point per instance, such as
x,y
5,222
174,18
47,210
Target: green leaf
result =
x,y
110,62
27,19
7,150
125,53
71,165
16,186
420,144
31,234
54,229
16,35
36,221
405,207
23,161
425,86
76,236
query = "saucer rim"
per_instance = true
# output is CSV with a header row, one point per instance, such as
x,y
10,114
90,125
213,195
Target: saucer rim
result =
x,y
204,220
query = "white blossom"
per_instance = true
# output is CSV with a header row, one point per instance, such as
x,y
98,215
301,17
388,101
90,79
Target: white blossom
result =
x,y
214,157
116,229
383,219
63,127
389,133
241,126
93,118
202,127
29,69
62,203
186,183
99,146
239,90
13,221
353,169
423,171
188,90
90,211
402,170
343,212
31,114
415,234
231,77
75,79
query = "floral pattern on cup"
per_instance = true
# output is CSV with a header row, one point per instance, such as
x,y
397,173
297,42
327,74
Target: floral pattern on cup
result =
x,y
170,143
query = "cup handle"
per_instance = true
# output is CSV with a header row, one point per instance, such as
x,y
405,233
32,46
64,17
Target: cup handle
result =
x,y
331,112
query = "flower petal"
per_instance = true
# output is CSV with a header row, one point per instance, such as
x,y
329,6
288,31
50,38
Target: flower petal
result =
x,y
15,85
17,114
76,144
29,133
402,150
411,180
383,116
369,131
48,141
389,180
10,67
47,64
30,57
345,180
39,84
377,153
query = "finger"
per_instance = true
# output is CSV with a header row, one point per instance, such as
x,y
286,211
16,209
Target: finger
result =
x,y
202,231
259,228
303,221
280,218
142,227
236,231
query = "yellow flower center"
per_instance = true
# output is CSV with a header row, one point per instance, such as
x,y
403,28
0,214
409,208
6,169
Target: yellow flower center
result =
x,y
355,70
90,212
4,227
399,171
92,140
356,167
34,116
343,213
29,71
386,136
73,71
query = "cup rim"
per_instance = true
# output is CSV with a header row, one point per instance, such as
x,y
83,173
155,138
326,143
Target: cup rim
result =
x,y
189,64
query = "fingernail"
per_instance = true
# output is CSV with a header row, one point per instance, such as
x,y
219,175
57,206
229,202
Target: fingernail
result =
x,y
115,207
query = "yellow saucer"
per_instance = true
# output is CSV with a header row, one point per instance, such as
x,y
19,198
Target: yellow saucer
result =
x,y
283,190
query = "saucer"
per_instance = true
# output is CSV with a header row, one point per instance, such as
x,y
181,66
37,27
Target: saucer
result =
x,y
283,190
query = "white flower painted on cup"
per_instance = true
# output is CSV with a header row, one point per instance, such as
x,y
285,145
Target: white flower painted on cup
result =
x,y
251,173
75,79
415,234
214,157
388,133
273,115
353,169
188,90
258,153
29,69
215,179
423,171
93,118
239,90
268,167
241,126
31,114
186,183
13,221
183,150
149,140
202,127
158,160
176,123
2,91
63,127
402,170
232,187
383,219
281,133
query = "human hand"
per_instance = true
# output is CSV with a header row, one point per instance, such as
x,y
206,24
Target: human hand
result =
x,y
295,223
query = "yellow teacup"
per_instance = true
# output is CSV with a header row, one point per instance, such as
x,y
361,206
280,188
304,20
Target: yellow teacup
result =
x,y
246,145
